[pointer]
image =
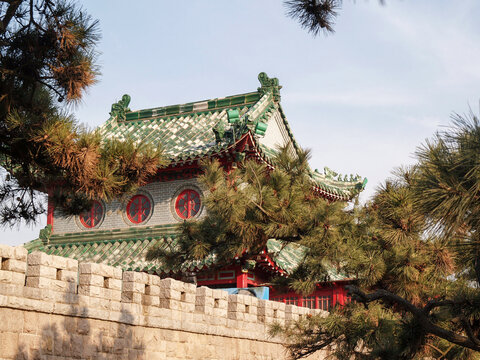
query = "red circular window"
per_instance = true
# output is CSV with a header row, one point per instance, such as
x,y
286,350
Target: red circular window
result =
x,y
92,217
187,204
139,208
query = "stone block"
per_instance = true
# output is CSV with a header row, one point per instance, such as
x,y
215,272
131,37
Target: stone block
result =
x,y
67,275
72,265
39,282
133,276
10,289
134,286
18,278
115,305
38,305
291,313
172,284
220,313
14,265
236,303
170,293
153,280
39,258
100,269
114,284
7,252
90,290
9,345
63,286
91,279
153,290
42,271
187,307
5,277
20,253
204,291
150,300
115,295
30,322
170,304
131,297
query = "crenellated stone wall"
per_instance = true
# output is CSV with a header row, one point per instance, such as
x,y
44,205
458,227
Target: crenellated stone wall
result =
x,y
55,308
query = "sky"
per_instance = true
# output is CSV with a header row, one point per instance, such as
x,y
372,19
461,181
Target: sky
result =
x,y
362,99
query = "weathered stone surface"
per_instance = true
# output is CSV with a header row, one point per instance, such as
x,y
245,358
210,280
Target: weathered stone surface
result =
x,y
137,317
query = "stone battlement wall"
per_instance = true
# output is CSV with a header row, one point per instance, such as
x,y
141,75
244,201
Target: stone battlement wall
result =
x,y
56,308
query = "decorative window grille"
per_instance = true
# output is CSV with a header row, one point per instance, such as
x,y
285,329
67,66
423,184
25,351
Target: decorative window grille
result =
x,y
187,204
92,217
138,209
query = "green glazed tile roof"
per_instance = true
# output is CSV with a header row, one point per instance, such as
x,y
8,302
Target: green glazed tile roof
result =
x,y
186,131
127,249
288,257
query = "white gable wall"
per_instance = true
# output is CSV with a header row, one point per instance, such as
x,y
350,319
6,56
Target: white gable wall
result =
x,y
276,134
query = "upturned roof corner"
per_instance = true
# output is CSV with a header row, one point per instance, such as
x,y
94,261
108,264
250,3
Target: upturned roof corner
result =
x,y
191,131
120,108
269,85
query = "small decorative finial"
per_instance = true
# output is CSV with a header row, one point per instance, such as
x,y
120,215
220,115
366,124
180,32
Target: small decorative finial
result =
x,y
269,85
45,234
120,108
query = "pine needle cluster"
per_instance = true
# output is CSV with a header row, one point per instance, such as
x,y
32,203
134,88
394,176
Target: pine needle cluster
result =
x,y
251,204
413,251
47,62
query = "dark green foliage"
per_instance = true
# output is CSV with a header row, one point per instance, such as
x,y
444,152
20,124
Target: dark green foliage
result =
x,y
254,203
47,59
412,249
315,16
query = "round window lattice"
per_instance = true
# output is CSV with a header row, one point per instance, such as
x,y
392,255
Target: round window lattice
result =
x,y
138,209
92,217
188,204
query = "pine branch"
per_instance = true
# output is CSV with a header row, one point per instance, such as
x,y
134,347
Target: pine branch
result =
x,y
470,341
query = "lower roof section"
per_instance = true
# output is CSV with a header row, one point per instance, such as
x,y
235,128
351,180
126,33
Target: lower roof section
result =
x,y
127,248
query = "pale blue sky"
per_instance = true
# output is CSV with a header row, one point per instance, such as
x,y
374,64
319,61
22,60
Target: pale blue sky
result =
x,y
362,99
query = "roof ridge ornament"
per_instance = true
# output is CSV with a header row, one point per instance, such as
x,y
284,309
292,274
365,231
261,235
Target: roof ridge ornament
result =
x,y
269,85
120,108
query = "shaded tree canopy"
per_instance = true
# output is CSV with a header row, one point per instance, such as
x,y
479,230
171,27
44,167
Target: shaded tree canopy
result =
x,y
413,249
416,257
253,203
47,62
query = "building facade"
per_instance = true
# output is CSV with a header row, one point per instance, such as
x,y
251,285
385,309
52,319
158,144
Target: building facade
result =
x,y
120,233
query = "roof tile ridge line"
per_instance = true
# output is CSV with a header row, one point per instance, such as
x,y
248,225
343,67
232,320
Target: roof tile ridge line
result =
x,y
110,235
289,129
194,102
264,100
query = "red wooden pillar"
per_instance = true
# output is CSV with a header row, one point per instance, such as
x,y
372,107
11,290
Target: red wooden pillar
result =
x,y
338,295
241,279
50,209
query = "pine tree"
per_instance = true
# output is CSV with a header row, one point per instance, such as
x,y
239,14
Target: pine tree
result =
x,y
415,255
47,62
253,203
315,16
416,290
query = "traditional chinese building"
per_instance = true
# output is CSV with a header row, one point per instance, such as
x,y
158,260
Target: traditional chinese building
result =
x,y
231,128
